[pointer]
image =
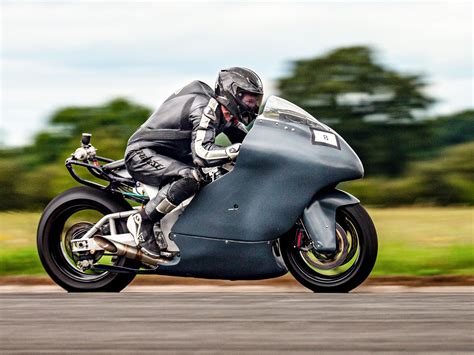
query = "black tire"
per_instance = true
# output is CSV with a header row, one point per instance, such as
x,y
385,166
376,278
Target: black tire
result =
x,y
49,233
363,232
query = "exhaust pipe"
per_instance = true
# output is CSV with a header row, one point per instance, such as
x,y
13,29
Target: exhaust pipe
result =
x,y
127,251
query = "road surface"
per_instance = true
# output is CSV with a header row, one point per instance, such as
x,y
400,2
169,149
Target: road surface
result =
x,y
260,323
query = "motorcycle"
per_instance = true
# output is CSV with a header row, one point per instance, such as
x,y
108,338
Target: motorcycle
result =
x,y
276,209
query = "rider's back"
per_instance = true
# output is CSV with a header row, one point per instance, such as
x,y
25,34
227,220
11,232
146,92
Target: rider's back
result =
x,y
169,128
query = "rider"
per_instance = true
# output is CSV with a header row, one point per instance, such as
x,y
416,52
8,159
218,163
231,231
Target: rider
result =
x,y
180,136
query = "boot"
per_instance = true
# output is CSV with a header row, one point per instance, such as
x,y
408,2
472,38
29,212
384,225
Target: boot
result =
x,y
141,227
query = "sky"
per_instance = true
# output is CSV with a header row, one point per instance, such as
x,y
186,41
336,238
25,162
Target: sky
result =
x,y
61,53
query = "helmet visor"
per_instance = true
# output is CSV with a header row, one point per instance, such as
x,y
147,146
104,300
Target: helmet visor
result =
x,y
249,105
249,100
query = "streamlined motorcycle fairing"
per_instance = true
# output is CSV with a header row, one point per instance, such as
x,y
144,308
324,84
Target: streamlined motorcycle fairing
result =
x,y
281,167
249,260
225,259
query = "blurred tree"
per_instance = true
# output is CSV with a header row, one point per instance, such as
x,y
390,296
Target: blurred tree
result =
x,y
374,108
453,129
32,175
112,124
447,179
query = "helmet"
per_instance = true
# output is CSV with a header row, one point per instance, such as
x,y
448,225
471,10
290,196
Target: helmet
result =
x,y
240,90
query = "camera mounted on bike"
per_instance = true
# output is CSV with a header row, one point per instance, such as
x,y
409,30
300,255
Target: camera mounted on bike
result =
x,y
86,139
86,151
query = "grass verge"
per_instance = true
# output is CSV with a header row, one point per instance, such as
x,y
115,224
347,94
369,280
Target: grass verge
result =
x,y
412,241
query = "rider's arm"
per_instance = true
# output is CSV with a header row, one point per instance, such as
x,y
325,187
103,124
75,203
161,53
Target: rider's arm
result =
x,y
205,151
236,133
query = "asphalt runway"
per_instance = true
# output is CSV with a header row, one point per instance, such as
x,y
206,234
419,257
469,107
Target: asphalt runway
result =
x,y
216,323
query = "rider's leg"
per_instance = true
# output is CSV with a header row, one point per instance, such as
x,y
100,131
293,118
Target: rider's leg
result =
x,y
166,200
147,166
170,196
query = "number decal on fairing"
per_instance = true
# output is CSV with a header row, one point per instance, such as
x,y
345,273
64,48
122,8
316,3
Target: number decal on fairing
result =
x,y
324,138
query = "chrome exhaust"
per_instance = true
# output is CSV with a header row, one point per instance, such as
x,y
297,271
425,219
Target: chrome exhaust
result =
x,y
127,251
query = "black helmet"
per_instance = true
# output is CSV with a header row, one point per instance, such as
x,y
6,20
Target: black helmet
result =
x,y
232,85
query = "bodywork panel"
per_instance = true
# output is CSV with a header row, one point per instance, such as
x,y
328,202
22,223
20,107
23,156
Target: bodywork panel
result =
x,y
223,259
319,218
278,172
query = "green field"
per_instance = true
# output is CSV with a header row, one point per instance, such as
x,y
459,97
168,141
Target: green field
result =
x,y
412,241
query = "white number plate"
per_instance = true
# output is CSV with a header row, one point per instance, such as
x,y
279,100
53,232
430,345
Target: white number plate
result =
x,y
325,138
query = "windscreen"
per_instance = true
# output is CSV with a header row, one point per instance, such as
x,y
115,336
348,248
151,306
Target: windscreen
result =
x,y
278,108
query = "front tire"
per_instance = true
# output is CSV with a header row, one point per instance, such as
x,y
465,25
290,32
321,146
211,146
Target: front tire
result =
x,y
359,254
52,237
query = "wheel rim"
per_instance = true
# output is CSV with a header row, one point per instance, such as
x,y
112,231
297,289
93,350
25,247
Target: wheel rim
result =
x,y
341,265
77,231
60,246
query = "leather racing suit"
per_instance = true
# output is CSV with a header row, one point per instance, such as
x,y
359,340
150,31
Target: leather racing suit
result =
x,y
177,137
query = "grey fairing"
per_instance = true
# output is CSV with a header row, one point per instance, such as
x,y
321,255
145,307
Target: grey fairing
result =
x,y
225,259
319,218
277,174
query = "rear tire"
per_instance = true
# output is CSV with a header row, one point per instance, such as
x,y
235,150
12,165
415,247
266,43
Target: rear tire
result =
x,y
51,231
361,230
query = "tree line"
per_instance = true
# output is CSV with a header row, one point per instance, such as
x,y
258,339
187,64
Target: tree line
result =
x,y
409,158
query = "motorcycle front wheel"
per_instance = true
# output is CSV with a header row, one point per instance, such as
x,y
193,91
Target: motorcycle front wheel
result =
x,y
347,267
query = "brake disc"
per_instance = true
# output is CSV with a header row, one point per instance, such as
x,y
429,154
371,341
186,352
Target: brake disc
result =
x,y
325,261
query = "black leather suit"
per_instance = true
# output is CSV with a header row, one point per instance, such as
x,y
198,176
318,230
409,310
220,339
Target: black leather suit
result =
x,y
179,135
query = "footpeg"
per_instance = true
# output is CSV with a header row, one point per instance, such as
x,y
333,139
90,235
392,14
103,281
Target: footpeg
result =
x,y
169,254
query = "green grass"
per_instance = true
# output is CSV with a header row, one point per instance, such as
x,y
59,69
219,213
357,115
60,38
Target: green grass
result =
x,y
412,241
18,253
424,241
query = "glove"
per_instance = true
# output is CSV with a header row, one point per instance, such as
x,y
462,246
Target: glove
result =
x,y
233,150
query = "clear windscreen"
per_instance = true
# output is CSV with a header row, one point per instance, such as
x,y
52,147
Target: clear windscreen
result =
x,y
278,108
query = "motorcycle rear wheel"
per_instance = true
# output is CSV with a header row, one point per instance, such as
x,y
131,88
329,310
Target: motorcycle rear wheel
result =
x,y
53,235
354,223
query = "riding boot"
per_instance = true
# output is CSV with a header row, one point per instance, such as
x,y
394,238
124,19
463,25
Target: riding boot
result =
x,y
141,227
164,202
